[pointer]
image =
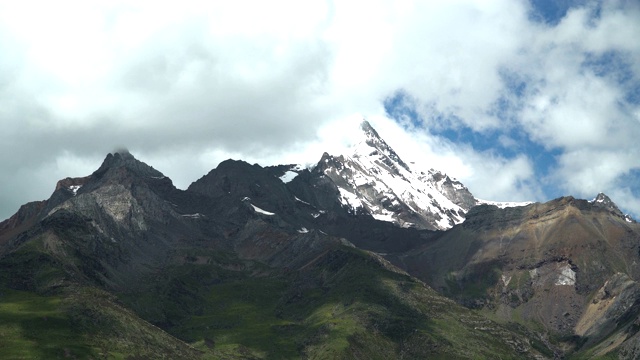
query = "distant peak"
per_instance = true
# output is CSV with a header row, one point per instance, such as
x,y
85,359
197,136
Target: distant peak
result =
x,y
123,158
117,158
124,154
602,198
603,201
121,150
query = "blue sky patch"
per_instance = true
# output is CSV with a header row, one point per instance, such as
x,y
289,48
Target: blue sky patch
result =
x,y
514,82
400,107
616,66
551,12
612,64
630,180
508,142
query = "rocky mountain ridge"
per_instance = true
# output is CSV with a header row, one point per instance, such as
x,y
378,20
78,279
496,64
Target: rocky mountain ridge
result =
x,y
285,262
373,180
236,266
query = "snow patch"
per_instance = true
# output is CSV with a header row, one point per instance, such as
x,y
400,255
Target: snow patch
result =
x,y
288,176
303,230
302,201
350,199
258,210
384,217
193,216
504,204
505,280
74,189
566,276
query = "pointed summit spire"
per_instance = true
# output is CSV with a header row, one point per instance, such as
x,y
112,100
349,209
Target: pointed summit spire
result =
x,y
368,129
603,201
374,180
374,140
123,158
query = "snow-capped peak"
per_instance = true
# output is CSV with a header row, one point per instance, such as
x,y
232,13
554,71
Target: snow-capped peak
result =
x,y
373,141
374,180
603,201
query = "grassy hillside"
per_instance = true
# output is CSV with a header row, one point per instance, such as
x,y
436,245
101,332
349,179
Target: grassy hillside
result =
x,y
48,310
345,304
81,323
34,326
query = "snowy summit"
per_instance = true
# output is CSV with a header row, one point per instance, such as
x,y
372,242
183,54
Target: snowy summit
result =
x,y
373,179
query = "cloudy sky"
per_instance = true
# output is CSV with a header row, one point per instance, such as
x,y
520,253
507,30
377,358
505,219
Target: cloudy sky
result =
x,y
519,99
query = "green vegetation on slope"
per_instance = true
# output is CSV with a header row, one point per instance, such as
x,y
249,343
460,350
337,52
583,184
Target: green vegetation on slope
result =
x,y
81,323
36,327
46,315
344,305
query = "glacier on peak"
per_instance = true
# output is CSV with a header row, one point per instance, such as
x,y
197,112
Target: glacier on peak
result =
x,y
373,179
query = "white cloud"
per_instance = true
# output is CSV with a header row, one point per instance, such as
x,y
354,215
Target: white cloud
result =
x,y
626,200
566,106
187,86
589,171
582,110
575,111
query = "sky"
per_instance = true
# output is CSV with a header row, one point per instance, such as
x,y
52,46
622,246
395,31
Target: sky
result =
x,y
521,100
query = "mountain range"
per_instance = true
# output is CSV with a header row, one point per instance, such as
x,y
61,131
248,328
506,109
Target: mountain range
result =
x,y
358,257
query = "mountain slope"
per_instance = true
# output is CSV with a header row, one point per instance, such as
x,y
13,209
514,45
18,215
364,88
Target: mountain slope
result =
x,y
570,267
237,266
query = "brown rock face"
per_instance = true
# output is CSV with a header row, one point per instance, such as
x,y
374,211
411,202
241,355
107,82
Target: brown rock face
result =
x,y
70,183
25,217
569,265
